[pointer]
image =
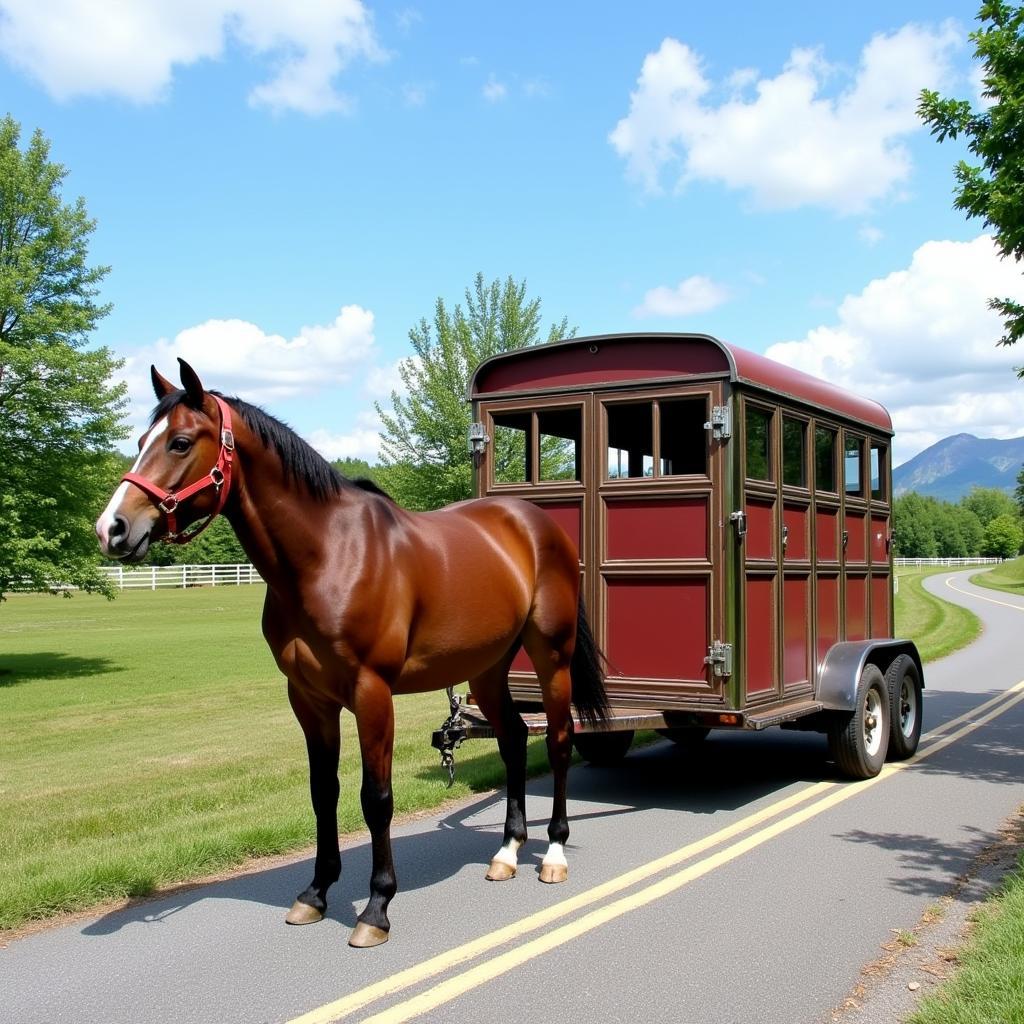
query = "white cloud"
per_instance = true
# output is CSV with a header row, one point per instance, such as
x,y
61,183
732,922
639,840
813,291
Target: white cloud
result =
x,y
870,235
494,90
697,294
782,138
131,50
922,341
239,357
361,443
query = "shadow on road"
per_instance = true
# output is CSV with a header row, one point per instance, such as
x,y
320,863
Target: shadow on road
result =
x,y
731,771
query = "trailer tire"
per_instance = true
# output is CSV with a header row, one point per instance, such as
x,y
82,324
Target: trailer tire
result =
x,y
603,748
859,739
687,739
904,683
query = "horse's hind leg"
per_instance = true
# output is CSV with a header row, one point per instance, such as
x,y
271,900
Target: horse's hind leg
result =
x,y
323,744
491,693
375,721
551,662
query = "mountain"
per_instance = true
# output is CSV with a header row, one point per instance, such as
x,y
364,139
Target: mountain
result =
x,y
952,466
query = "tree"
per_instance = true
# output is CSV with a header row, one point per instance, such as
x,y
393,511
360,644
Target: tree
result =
x,y
994,189
426,461
1019,492
1003,537
59,411
988,502
914,526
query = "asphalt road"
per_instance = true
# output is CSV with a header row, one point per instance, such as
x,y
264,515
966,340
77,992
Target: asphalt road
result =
x,y
747,884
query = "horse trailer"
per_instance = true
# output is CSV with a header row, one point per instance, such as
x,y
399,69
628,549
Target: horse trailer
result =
x,y
733,519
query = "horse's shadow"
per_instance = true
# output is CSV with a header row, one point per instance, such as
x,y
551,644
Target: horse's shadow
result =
x,y
722,776
729,772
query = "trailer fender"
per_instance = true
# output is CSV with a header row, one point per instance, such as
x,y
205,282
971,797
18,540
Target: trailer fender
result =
x,y
841,669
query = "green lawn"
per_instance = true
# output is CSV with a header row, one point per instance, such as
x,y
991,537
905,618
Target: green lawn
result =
x,y
1008,576
937,627
149,740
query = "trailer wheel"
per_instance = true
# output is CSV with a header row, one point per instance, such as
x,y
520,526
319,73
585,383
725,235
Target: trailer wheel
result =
x,y
688,739
904,684
859,739
603,748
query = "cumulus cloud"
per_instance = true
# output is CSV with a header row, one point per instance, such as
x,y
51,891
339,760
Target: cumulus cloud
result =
x,y
783,138
239,357
922,341
697,294
131,50
361,443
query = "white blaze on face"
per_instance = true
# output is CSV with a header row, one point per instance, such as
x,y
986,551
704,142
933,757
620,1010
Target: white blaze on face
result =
x,y
106,520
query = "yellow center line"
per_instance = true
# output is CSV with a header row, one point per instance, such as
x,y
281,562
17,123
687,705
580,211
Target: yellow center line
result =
x,y
982,597
347,1005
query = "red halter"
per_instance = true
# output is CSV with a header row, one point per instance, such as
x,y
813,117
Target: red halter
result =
x,y
219,477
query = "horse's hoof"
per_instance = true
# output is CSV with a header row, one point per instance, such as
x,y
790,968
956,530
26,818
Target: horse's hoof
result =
x,y
499,871
366,935
552,873
303,913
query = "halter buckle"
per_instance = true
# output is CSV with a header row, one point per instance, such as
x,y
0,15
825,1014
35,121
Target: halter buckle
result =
x,y
227,440
217,476
168,505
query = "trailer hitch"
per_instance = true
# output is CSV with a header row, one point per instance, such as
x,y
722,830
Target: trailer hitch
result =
x,y
451,734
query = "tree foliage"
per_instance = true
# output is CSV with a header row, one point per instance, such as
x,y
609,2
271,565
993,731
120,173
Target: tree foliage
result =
x,y
59,411
426,462
1019,492
1003,536
993,188
929,528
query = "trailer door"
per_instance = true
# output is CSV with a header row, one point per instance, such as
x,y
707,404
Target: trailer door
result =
x,y
657,593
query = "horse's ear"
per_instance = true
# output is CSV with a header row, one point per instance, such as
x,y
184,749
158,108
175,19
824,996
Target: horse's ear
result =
x,y
161,385
192,384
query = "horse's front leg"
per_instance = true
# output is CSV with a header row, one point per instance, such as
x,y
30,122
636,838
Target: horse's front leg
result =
x,y
322,730
375,721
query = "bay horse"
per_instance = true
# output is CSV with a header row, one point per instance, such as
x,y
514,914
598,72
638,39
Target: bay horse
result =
x,y
366,600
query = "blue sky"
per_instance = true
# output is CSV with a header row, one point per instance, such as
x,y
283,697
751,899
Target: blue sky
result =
x,y
283,191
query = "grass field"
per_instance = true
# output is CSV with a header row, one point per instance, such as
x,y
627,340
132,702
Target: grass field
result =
x,y
937,627
149,740
1009,577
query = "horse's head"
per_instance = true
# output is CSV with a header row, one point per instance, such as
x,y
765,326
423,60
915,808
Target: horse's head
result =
x,y
182,473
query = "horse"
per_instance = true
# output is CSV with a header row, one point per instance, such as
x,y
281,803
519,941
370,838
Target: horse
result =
x,y
366,600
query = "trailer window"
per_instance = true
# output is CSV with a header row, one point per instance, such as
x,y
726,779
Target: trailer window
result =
x,y
878,472
561,432
683,437
759,443
630,440
794,461
825,459
852,465
512,447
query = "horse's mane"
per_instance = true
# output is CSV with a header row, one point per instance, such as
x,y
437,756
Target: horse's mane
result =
x,y
300,460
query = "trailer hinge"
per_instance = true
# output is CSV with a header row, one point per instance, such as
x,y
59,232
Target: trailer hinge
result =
x,y
720,658
720,423
740,519
478,438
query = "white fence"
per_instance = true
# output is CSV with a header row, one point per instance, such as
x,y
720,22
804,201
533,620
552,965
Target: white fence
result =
x,y
947,561
152,577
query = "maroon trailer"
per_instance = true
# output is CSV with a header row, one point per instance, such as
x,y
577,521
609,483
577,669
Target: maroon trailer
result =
x,y
734,523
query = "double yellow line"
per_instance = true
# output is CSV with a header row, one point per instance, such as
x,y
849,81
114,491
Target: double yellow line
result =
x,y
817,798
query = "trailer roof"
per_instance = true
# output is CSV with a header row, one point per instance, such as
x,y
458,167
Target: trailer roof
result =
x,y
622,358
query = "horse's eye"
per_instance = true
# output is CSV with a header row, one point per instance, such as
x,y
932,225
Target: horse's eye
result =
x,y
180,445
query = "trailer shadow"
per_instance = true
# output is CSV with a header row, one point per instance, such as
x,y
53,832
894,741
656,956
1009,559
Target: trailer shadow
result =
x,y
730,771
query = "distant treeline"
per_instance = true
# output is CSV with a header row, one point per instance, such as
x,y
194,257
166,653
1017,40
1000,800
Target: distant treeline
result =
x,y
985,522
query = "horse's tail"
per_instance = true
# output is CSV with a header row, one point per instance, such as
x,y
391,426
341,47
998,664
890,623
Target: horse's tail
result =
x,y
587,671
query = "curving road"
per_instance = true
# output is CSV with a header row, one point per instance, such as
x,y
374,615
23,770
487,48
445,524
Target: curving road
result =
x,y
748,884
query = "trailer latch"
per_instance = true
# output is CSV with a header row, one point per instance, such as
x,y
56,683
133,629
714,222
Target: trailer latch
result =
x,y
478,438
740,519
720,659
720,423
